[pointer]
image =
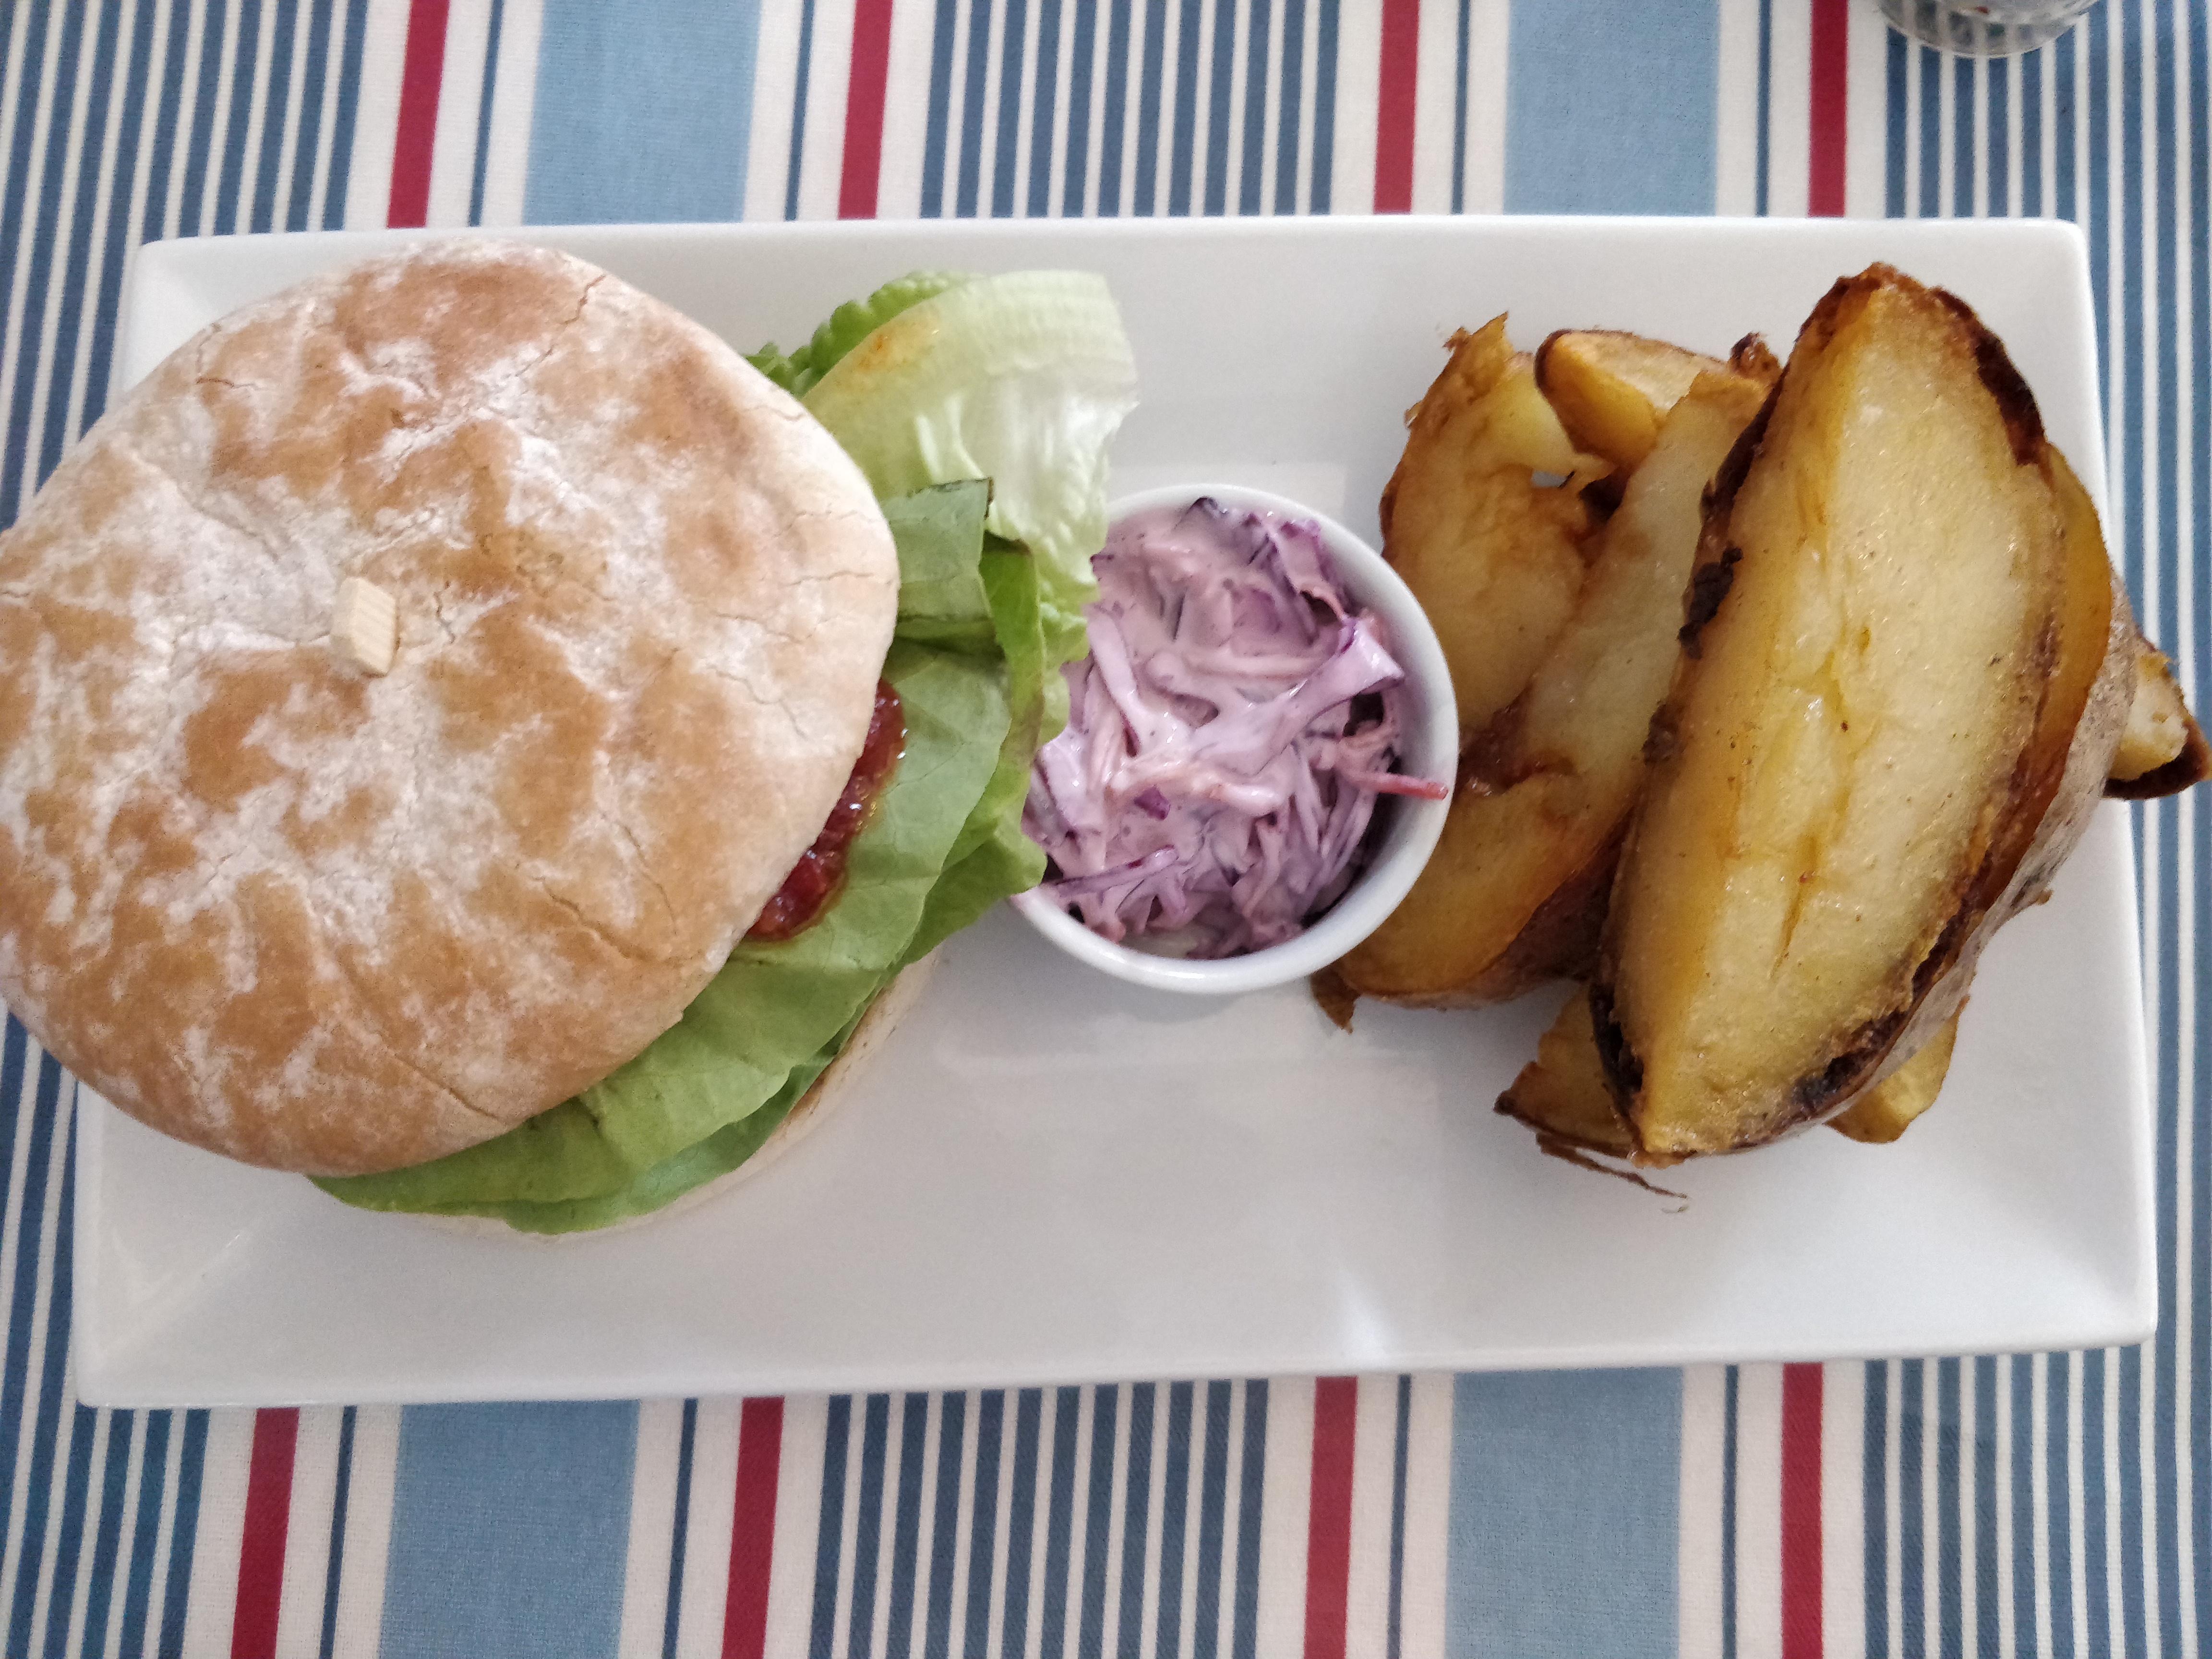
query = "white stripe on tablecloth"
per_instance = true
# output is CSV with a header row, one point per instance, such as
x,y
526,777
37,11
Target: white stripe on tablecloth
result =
x,y
515,101
1285,1507
1789,114
307,1531
19,324
1358,79
1698,1536
215,1546
376,118
653,1482
1428,1514
1488,22
369,1492
1759,1509
829,75
775,83
1866,111
906,111
1736,115
705,1590
1843,1505
460,93
1373,1470
47,1222
797,1520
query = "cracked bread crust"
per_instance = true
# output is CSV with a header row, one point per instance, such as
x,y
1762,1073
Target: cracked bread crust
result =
x,y
337,924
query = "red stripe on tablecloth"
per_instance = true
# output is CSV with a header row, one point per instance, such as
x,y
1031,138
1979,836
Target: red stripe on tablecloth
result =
x,y
423,68
261,1550
1328,1525
1394,105
752,1530
1831,29
864,109
1800,1512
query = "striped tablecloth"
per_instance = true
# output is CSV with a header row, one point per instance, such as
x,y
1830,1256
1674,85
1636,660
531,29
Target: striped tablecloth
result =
x,y
2055,1503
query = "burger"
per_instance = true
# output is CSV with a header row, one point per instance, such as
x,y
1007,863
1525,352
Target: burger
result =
x,y
470,736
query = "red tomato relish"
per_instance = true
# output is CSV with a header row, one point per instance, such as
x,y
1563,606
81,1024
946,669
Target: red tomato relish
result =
x,y
820,871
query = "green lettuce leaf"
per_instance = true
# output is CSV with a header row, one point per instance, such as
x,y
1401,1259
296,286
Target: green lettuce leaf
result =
x,y
849,324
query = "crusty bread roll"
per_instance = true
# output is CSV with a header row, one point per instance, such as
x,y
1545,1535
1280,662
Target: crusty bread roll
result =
x,y
334,922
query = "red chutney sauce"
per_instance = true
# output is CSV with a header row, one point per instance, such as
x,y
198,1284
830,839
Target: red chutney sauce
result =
x,y
820,871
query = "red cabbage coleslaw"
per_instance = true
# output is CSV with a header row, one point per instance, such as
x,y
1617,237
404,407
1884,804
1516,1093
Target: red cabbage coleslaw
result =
x,y
1228,737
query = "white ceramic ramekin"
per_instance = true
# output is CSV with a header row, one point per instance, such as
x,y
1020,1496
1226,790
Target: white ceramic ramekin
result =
x,y
1408,827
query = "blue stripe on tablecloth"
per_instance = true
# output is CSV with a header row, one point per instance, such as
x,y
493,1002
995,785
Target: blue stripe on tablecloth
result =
x,y
1323,182
1187,107
867,1534
1006,145
830,1530
1874,1507
1213,1525
2058,1489
1551,1557
1650,149
1400,1448
334,1556
107,1543
341,168
11,231
1461,46
906,1529
601,153
1223,79
69,317
1044,105
1175,1510
1911,1561
1731,1419
1252,1481
2021,1370
945,1533
975,91
2199,1448
1962,137
1098,1513
1252,168
1021,1519
982,1532
2161,821
679,1529
1148,105
1997,141
1136,1509
509,1530
1894,67
310,117
1113,114
2031,134
145,1534
1076,172
1289,107
1058,1525
1765,137
201,133
940,109
487,95
276,102
184,1535
1931,132
245,48
797,156
1949,1606
1987,1580
21,1313
2095,1537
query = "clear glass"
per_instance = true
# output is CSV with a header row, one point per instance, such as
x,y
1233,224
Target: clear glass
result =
x,y
1985,28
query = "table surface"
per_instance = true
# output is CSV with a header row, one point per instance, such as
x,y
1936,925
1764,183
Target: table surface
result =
x,y
2034,1505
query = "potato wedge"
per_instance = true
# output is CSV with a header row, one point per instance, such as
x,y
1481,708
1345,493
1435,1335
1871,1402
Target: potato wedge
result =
x,y
1611,390
1516,891
1496,558
2162,750
1898,708
1563,1095
1882,1111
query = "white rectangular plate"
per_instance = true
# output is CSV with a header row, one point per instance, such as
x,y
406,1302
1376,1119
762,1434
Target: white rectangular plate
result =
x,y
1053,1177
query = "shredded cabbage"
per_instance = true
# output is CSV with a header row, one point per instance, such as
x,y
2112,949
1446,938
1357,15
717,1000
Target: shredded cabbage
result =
x,y
1228,738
